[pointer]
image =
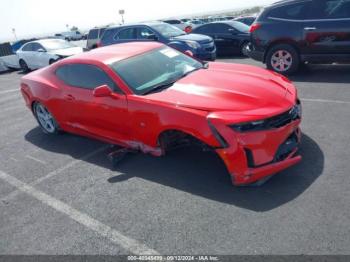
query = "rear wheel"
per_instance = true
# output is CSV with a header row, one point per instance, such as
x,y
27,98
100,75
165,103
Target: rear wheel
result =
x,y
283,59
24,66
45,119
245,49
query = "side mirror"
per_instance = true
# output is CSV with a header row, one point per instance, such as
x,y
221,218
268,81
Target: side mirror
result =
x,y
41,50
102,91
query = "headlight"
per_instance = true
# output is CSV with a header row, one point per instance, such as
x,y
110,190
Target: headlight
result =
x,y
193,44
250,126
271,123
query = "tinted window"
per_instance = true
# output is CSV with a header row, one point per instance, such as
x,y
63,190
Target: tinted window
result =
x,y
222,29
27,47
102,30
93,34
144,33
204,29
36,46
84,76
239,26
331,9
108,34
294,11
126,34
173,22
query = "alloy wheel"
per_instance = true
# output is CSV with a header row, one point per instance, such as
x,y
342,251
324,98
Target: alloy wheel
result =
x,y
281,60
45,119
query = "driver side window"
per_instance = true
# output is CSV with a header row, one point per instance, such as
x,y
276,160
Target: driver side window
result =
x,y
144,33
85,76
28,47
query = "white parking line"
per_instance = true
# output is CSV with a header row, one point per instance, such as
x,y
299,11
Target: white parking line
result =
x,y
9,91
35,159
113,235
13,194
325,101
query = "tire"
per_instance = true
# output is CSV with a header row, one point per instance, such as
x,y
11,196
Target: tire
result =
x,y
52,61
283,59
244,49
46,121
24,66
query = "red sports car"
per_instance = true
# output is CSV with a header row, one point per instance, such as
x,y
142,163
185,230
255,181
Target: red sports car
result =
x,y
148,97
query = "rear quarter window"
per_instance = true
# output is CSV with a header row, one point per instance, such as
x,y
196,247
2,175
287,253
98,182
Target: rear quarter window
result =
x,y
93,34
296,11
84,76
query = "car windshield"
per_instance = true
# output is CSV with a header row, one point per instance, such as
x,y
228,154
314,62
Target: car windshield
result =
x,y
56,44
148,71
243,28
167,30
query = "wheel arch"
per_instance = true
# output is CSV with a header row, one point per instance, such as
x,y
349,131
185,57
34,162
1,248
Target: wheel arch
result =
x,y
171,135
281,42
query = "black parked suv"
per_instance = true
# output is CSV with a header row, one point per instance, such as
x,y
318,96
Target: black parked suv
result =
x,y
292,32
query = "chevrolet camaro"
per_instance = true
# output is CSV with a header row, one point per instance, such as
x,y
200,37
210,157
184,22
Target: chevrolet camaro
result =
x,y
147,97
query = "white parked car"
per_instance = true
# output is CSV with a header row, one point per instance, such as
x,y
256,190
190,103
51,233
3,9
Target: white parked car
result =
x,y
70,35
40,53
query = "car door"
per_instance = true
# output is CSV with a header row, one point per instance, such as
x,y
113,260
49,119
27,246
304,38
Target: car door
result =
x,y
125,35
27,55
40,56
224,37
327,28
105,117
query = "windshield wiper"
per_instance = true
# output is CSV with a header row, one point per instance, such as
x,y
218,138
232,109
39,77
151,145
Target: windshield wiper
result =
x,y
160,87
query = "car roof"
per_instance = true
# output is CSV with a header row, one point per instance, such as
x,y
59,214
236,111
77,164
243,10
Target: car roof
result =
x,y
137,24
43,41
284,2
115,53
227,22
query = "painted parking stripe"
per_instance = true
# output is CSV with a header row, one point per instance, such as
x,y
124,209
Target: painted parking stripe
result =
x,y
113,235
13,194
9,91
36,159
325,101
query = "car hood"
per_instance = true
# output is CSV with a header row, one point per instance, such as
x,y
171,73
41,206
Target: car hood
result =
x,y
233,88
67,51
194,37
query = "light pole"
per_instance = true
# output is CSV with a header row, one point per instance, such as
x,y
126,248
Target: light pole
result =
x,y
14,33
67,25
122,12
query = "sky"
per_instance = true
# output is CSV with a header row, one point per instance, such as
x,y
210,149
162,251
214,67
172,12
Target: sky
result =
x,y
40,17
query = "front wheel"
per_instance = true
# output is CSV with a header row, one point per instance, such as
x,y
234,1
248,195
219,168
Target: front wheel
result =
x,y
283,59
46,121
24,66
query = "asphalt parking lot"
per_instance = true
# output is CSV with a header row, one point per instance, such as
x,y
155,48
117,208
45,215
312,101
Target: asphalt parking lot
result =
x,y
60,195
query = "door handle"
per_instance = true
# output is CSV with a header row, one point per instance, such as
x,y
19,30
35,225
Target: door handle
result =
x,y
69,97
310,28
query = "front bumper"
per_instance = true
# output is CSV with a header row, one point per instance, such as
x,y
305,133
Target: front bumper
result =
x,y
253,156
211,56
